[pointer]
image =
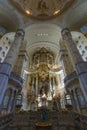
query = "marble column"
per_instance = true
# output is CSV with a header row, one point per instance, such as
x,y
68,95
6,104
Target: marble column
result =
x,y
67,63
76,101
81,66
6,67
12,100
21,59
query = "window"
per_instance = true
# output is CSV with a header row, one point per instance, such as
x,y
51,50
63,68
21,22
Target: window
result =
x,y
86,47
77,41
80,46
0,48
0,59
80,97
68,99
9,42
19,99
7,98
6,38
83,51
79,37
6,47
3,53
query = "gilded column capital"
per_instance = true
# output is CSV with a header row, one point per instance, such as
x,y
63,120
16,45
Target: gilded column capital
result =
x,y
66,33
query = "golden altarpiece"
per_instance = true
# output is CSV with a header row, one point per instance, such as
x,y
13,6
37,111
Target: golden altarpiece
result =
x,y
42,78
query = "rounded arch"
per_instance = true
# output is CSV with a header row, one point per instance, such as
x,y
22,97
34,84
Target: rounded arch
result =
x,y
19,98
55,105
33,106
80,97
7,98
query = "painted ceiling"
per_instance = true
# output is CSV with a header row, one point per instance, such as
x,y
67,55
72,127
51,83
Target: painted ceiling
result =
x,y
42,9
45,32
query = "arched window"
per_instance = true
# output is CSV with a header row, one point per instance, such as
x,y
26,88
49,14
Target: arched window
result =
x,y
13,100
7,98
73,100
68,99
80,97
0,48
32,106
19,99
0,59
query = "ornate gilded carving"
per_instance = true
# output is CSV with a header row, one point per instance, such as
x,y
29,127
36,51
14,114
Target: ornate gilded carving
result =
x,y
42,6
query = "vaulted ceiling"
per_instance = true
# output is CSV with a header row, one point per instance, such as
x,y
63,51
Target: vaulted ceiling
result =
x,y
43,20
42,9
73,16
43,35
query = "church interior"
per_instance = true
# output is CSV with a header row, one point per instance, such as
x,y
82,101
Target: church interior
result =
x,y
43,64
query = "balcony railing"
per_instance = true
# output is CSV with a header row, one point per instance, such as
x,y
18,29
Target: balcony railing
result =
x,y
5,120
71,120
57,119
16,78
80,121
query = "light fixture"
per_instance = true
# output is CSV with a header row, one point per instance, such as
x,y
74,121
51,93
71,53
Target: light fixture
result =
x,y
56,12
27,12
42,34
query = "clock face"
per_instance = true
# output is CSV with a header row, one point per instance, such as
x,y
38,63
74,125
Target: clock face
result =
x,y
42,9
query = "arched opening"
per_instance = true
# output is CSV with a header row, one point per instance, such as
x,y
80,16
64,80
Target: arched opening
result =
x,y
7,98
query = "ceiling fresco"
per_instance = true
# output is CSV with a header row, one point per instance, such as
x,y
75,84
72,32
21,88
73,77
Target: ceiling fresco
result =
x,y
42,9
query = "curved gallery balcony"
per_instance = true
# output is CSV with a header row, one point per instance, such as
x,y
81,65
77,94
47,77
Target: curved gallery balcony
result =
x,y
69,79
42,119
6,120
16,80
80,121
